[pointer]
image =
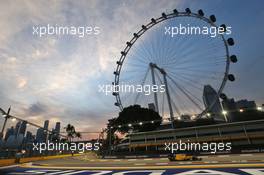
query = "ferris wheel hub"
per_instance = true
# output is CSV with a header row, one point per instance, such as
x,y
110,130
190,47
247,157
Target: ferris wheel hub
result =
x,y
153,65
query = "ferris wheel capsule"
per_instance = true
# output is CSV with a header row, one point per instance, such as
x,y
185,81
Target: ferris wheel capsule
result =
x,y
233,58
200,12
213,18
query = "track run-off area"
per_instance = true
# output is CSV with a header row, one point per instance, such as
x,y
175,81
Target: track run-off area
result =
x,y
84,164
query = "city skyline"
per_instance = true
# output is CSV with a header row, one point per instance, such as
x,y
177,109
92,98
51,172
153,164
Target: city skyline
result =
x,y
57,78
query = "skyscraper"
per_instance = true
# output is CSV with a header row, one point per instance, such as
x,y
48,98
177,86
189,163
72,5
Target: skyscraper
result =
x,y
211,101
46,127
57,131
17,127
46,124
57,127
40,135
23,128
9,132
20,128
29,137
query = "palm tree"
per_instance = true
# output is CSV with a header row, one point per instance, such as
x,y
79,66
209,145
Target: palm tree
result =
x,y
78,135
70,129
71,133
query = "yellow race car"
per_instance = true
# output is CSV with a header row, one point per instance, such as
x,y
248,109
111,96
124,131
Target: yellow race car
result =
x,y
182,157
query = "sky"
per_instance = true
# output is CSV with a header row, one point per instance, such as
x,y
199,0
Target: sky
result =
x,y
56,78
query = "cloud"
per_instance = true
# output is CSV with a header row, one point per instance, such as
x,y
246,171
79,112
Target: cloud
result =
x,y
22,82
56,77
37,108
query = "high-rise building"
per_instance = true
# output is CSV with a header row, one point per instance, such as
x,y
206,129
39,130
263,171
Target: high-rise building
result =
x,y
212,102
56,131
17,127
23,128
9,132
40,135
46,127
20,128
29,138
57,127
46,124
245,104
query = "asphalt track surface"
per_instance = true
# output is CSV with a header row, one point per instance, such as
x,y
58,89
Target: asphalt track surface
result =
x,y
225,164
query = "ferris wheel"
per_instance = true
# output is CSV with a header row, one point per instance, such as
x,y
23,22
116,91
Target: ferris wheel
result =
x,y
183,64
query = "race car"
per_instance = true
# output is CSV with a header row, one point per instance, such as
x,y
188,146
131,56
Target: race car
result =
x,y
182,157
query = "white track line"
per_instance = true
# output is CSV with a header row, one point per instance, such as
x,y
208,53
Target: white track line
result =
x,y
162,163
182,163
148,159
138,164
246,154
75,172
103,160
223,156
163,158
64,172
188,162
10,166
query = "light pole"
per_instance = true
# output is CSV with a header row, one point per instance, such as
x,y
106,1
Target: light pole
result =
x,y
6,116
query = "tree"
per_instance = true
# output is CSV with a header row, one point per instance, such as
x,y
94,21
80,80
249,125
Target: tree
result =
x,y
78,135
246,115
71,133
140,119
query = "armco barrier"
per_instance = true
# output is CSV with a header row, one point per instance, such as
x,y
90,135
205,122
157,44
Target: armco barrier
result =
x,y
5,162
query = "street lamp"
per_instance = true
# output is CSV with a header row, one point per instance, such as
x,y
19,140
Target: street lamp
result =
x,y
259,108
6,116
224,112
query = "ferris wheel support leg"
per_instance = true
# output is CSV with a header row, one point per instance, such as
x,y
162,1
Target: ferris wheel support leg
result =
x,y
169,100
155,93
